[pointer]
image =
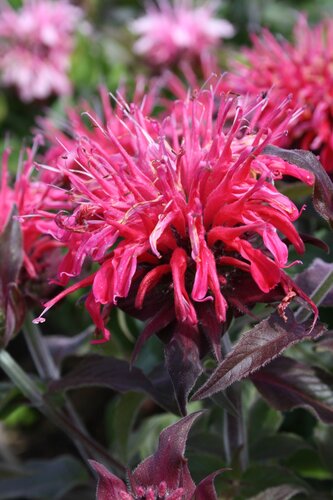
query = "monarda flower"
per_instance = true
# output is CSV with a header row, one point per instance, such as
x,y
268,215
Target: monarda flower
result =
x,y
162,476
184,222
302,69
35,47
173,30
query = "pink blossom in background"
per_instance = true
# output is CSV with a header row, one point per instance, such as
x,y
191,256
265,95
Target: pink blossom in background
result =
x,y
181,215
35,47
302,69
171,30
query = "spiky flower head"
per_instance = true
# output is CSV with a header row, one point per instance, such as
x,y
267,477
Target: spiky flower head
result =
x,y
35,47
172,30
302,69
183,219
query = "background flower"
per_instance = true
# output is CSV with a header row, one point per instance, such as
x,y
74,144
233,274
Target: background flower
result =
x,y
301,69
173,30
35,47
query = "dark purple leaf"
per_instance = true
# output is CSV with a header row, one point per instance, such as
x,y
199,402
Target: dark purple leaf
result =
x,y
326,342
168,463
11,253
61,347
109,486
287,384
256,348
14,312
316,242
206,489
116,374
309,279
12,309
323,187
182,359
283,492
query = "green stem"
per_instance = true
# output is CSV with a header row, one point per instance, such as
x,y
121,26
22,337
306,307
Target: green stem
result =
x,y
39,351
317,296
48,370
234,429
35,395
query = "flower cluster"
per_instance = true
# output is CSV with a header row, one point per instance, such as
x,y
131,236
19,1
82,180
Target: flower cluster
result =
x,y
35,46
181,215
304,70
173,30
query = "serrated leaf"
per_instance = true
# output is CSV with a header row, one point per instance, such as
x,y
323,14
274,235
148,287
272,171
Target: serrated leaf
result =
x,y
287,384
323,186
40,479
256,348
117,374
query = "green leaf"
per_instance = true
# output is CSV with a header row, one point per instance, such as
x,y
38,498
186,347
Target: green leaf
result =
x,y
307,463
324,441
262,420
123,417
44,479
258,478
277,446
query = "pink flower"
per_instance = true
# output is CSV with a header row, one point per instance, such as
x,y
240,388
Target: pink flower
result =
x,y
302,69
164,475
33,199
172,30
35,46
182,217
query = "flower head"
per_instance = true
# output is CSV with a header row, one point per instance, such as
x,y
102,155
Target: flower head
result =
x,y
182,217
164,475
172,30
35,46
302,69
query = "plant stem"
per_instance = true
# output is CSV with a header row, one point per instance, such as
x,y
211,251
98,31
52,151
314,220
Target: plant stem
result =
x,y
48,370
317,296
35,395
234,430
39,351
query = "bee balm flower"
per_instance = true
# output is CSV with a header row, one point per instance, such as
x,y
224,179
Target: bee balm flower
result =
x,y
184,222
35,46
302,69
173,30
